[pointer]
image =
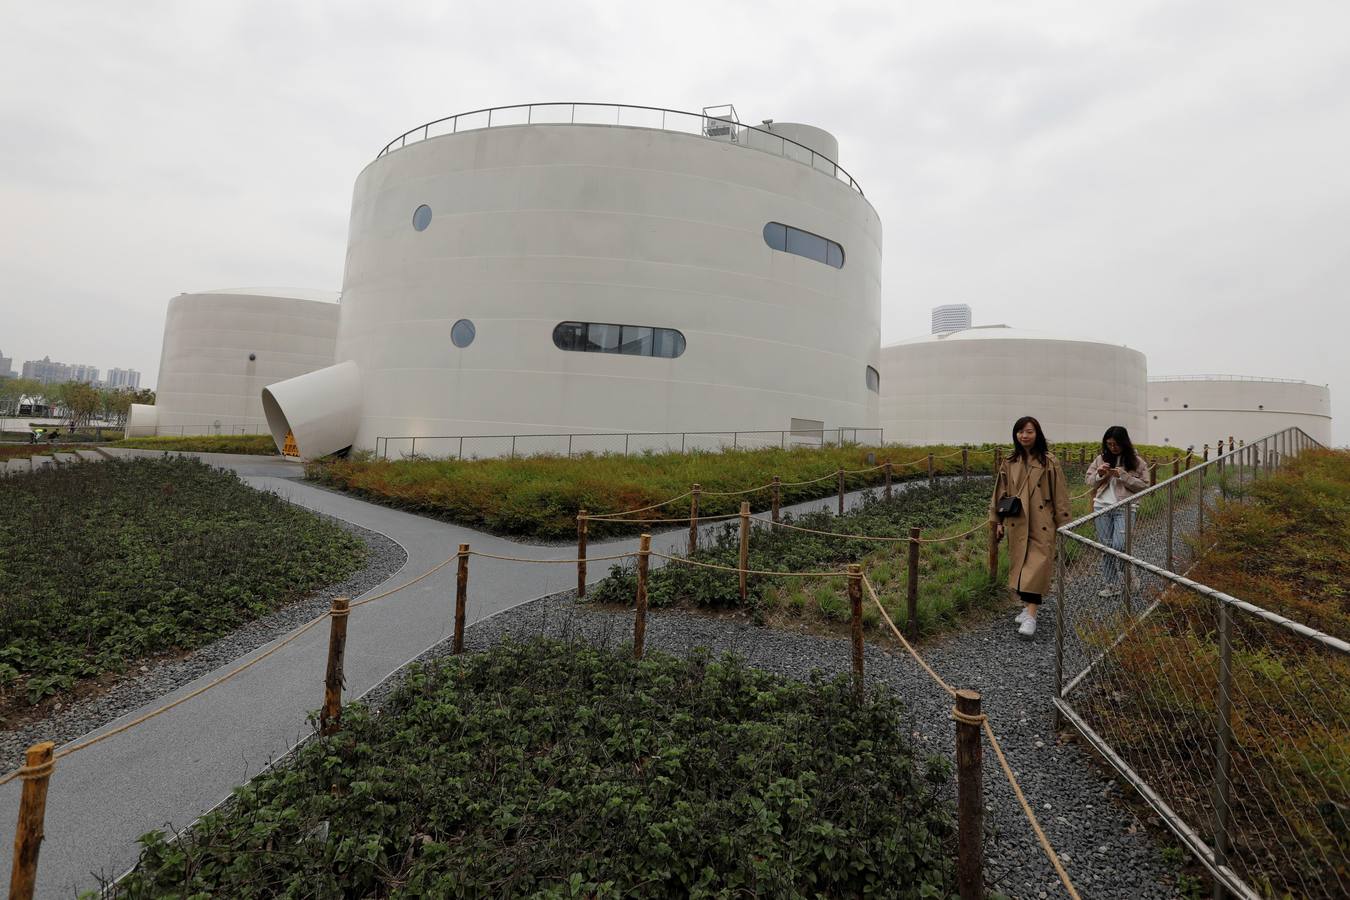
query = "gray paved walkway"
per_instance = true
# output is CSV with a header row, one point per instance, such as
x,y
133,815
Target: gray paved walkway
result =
x,y
166,772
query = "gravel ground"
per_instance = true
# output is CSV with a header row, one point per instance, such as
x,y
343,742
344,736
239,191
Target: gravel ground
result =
x,y
157,679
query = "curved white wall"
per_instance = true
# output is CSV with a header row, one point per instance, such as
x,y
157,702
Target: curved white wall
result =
x,y
971,386
1200,410
320,410
205,373
540,224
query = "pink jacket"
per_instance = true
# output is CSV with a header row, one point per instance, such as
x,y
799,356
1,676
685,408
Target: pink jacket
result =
x,y
1132,481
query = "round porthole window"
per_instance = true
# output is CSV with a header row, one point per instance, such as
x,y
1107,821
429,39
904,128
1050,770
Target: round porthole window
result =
x,y
422,217
252,357
462,333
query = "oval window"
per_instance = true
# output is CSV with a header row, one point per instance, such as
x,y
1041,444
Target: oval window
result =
x,y
422,217
462,333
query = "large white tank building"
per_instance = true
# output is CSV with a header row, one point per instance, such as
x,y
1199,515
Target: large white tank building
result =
x,y
582,268
970,386
1194,410
221,348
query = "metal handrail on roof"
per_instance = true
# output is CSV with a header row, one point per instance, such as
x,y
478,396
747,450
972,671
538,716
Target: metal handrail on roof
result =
x,y
533,114
1225,378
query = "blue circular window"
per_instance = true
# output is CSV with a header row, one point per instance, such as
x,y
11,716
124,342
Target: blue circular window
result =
x,y
462,333
422,217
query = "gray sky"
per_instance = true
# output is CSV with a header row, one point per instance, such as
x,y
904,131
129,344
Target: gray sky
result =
x,y
1171,175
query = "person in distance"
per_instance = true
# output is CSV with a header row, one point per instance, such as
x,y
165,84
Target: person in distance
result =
x,y
1116,474
1031,501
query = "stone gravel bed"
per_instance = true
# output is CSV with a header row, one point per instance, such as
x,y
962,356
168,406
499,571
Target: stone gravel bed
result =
x,y
385,557
1106,850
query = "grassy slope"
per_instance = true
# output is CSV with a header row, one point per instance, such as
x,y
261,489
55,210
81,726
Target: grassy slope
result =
x,y
260,444
104,564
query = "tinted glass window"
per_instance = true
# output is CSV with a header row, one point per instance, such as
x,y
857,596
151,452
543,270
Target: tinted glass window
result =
x,y
630,340
602,338
462,333
669,343
570,336
834,255
873,380
775,235
803,243
422,217
637,340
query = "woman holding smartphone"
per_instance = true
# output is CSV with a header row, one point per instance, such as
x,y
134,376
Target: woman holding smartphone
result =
x,y
1033,476
1115,475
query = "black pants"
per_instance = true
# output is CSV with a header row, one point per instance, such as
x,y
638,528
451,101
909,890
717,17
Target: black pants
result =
x,y
1026,597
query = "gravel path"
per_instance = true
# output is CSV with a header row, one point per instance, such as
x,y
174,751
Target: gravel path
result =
x,y
133,691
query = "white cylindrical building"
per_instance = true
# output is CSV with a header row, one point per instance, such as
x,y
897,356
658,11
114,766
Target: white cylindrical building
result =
x,y
221,348
523,273
970,386
1194,410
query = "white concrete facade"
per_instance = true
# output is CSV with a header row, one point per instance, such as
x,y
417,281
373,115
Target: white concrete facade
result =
x,y
1195,410
221,348
970,386
531,226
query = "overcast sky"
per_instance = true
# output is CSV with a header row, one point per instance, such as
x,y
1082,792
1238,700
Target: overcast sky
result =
x,y
1173,175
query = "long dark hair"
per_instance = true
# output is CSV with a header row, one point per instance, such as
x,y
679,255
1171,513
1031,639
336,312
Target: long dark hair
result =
x,y
1128,460
1038,449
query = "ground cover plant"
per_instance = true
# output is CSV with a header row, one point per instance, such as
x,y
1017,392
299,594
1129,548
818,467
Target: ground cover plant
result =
x,y
546,769
260,444
1288,551
102,565
24,451
541,496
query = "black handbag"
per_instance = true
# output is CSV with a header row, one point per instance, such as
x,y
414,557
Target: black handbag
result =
x,y
1007,506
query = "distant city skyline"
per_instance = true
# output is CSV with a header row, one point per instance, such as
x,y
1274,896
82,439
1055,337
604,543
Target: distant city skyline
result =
x,y
49,371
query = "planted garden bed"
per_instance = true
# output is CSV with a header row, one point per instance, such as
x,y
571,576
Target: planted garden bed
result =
x,y
104,565
254,444
556,770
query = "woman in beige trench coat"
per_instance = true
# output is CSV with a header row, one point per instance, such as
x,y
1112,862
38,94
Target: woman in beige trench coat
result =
x,y
1032,474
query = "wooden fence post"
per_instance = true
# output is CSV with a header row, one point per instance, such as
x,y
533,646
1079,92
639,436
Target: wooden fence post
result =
x,y
965,463
993,552
1176,467
330,719
1188,459
855,605
841,492
693,519
1205,458
912,588
462,596
969,797
777,496
36,772
745,545
1082,455
888,480
930,470
1231,448
640,619
1152,472
582,529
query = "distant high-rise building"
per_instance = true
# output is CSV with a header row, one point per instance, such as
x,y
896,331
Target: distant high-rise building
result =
x,y
124,378
45,371
6,366
85,373
951,317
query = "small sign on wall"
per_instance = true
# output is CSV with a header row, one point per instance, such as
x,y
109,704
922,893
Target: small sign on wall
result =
x,y
288,447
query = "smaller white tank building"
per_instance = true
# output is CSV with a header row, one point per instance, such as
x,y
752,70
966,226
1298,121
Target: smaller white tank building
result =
x,y
221,348
1194,410
970,386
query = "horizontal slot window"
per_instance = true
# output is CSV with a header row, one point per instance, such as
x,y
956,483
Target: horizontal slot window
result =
x,y
629,340
803,243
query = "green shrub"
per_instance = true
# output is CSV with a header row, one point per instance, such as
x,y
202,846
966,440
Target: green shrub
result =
x,y
550,770
254,444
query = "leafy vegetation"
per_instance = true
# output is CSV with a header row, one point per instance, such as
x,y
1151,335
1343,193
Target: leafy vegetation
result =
x,y
260,444
104,564
1287,551
541,496
552,770
24,451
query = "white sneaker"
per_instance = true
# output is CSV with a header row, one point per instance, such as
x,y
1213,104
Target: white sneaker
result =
x,y
1028,629
1022,617
1111,591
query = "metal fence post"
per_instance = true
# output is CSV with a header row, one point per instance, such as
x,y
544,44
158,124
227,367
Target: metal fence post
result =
x,y
1223,760
1171,523
1127,576
1061,610
413,451
1200,504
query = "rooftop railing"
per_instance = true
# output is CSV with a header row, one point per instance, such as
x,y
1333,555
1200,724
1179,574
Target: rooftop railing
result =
x,y
714,128
1225,378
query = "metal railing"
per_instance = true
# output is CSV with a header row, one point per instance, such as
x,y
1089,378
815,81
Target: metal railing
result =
x,y
484,446
1225,378
1224,716
710,127
136,431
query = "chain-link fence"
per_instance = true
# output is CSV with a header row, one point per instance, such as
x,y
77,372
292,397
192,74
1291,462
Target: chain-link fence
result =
x,y
1231,721
512,446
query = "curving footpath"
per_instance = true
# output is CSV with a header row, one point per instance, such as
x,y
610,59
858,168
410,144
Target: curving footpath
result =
x,y
168,771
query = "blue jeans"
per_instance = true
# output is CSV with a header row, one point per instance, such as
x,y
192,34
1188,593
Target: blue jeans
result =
x,y
1111,532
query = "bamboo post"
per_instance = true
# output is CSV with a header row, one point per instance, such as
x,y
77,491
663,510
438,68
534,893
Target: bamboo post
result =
x,y
888,480
462,595
993,551
640,618
841,492
582,529
745,546
965,463
1188,460
330,719
912,587
777,496
930,470
693,518
855,605
36,772
969,796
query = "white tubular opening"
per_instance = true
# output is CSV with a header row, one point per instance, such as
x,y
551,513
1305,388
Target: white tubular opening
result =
x,y
319,412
